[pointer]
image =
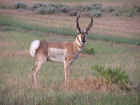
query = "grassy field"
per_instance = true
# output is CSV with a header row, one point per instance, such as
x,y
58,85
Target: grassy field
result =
x,y
19,28
16,67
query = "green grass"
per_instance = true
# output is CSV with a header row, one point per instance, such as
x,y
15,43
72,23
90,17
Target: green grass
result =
x,y
15,73
19,24
89,99
15,70
68,98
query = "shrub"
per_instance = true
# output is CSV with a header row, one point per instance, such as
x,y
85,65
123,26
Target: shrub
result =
x,y
88,50
38,5
73,12
62,8
137,8
138,43
81,8
89,7
45,10
109,9
116,13
4,6
129,12
51,8
113,75
95,12
65,9
20,5
96,6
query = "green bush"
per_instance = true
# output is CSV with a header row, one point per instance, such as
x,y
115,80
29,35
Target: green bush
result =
x,y
89,50
137,8
109,9
138,43
43,8
46,10
20,5
4,6
50,8
95,12
96,6
89,7
112,75
80,8
61,8
64,9
38,5
116,13
73,12
129,12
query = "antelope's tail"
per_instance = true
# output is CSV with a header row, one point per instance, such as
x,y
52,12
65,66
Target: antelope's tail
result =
x,y
33,47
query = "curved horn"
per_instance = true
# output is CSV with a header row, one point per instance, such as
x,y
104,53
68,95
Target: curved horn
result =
x,y
89,25
77,23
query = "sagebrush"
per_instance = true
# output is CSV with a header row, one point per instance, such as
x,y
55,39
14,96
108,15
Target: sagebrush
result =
x,y
112,75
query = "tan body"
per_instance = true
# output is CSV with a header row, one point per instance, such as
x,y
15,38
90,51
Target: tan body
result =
x,y
65,52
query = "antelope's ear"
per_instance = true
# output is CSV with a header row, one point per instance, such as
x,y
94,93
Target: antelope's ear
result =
x,y
85,32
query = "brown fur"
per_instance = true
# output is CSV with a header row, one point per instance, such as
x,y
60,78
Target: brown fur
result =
x,y
69,53
73,51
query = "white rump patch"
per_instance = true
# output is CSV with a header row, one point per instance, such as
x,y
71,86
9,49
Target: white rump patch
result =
x,y
33,47
56,54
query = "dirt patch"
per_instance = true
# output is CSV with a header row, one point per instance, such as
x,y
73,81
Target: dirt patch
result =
x,y
16,53
4,44
88,84
12,81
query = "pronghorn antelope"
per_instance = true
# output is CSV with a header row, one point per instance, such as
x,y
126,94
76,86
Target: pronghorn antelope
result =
x,y
65,52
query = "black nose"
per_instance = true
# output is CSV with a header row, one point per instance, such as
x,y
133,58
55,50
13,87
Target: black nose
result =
x,y
84,39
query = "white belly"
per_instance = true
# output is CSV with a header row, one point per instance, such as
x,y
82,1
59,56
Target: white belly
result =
x,y
56,54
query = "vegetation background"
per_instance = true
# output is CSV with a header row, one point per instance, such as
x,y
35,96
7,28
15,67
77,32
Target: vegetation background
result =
x,y
113,42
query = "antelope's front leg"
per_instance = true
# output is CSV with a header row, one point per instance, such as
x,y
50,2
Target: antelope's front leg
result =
x,y
67,67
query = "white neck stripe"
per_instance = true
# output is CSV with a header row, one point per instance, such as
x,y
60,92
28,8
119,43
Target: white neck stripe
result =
x,y
78,42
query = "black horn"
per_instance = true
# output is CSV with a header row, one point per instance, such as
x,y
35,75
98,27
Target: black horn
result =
x,y
89,25
77,23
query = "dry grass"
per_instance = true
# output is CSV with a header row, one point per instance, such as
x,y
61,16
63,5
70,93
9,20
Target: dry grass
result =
x,y
77,2
16,64
91,83
112,26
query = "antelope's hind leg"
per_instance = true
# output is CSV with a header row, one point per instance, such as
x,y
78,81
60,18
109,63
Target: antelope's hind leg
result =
x,y
38,63
67,70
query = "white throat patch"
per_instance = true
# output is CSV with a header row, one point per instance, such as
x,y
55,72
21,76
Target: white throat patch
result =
x,y
79,40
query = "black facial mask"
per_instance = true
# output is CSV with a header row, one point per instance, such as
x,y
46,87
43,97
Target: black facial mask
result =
x,y
84,39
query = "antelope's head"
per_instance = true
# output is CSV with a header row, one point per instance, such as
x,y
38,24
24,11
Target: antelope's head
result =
x,y
82,34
